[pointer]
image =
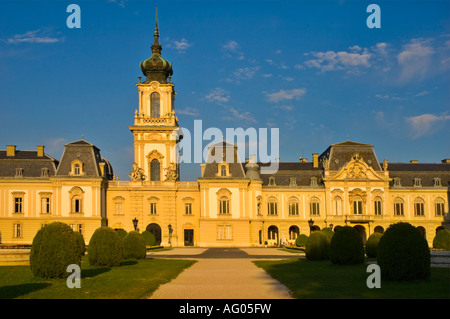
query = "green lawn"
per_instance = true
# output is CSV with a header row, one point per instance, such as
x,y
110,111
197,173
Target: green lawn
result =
x,y
132,280
322,279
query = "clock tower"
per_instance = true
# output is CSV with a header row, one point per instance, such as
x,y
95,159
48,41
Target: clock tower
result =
x,y
155,130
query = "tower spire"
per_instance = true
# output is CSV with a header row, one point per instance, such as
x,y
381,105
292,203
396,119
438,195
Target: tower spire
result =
x,y
156,47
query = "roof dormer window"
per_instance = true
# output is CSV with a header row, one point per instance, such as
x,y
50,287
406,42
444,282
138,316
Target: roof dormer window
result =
x,y
77,168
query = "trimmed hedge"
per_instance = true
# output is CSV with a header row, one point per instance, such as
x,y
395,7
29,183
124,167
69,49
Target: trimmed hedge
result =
x,y
121,232
300,241
105,248
346,247
134,246
149,238
81,243
54,248
403,253
442,240
317,246
372,244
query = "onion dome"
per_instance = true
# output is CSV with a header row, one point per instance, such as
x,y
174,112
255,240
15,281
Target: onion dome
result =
x,y
155,68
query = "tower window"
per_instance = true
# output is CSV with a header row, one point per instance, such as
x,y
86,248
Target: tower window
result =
x,y
155,170
154,105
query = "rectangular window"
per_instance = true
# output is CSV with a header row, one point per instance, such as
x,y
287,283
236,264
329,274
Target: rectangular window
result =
x,y
338,206
45,205
314,209
357,207
419,209
398,209
17,231
377,208
224,207
188,209
293,209
439,209
118,208
272,209
18,205
224,232
152,208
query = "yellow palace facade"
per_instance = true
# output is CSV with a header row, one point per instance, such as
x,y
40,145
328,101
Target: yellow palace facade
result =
x,y
234,203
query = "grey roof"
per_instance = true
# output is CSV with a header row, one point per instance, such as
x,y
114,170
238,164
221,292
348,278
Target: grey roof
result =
x,y
302,172
223,151
341,153
29,161
86,153
425,171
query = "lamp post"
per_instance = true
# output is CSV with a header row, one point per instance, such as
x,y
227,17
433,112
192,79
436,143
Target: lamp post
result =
x,y
135,224
331,226
310,223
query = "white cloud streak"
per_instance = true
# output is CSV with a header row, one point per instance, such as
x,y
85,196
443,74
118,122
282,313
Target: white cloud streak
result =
x,y
35,36
286,95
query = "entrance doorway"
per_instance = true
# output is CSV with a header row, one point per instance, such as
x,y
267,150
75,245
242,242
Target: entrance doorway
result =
x,y
156,231
189,237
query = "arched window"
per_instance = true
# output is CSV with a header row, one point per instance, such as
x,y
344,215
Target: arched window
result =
x,y
419,207
439,207
378,206
76,200
155,170
294,231
398,207
337,205
154,104
357,205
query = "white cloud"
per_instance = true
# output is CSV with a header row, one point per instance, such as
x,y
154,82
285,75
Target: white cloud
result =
x,y
188,111
217,95
423,93
245,73
283,95
36,36
179,45
232,49
235,115
342,60
425,123
415,59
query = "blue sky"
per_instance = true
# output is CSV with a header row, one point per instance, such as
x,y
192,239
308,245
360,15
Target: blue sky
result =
x,y
313,69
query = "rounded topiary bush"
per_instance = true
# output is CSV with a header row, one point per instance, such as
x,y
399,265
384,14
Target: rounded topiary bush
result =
x,y
317,246
442,240
105,248
300,241
149,238
372,244
329,232
346,247
122,233
81,243
54,248
134,246
403,253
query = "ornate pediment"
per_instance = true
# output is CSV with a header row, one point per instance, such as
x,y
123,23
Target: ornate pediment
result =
x,y
355,169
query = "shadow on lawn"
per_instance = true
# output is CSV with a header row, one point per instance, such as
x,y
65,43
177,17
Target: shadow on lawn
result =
x,y
15,291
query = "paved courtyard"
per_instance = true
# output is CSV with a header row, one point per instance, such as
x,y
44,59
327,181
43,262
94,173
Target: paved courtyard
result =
x,y
223,273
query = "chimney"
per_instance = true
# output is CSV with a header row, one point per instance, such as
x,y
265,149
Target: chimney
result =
x,y
40,150
202,168
315,160
10,150
414,161
102,169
